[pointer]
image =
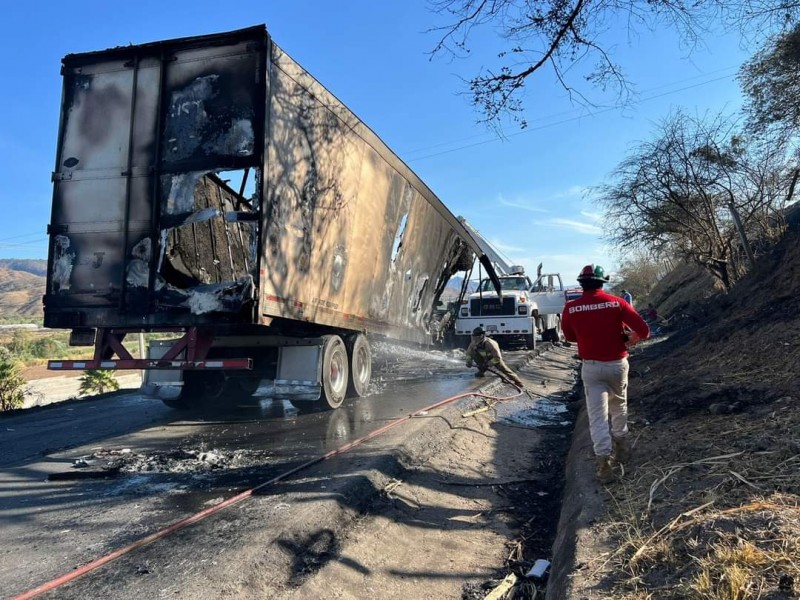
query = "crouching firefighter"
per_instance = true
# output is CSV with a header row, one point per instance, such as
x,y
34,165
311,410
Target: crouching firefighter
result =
x,y
485,353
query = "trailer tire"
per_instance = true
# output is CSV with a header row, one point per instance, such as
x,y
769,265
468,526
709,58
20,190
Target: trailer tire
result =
x,y
359,355
245,385
201,389
530,341
177,403
335,372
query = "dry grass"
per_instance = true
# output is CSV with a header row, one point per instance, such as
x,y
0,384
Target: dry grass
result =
x,y
720,523
710,506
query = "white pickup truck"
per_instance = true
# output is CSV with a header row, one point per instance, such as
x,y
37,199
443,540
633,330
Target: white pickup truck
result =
x,y
549,295
524,308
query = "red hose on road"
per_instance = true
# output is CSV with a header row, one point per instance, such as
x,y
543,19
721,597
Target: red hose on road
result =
x,y
111,556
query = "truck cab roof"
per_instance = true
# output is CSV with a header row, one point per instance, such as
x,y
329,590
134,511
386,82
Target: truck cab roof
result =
x,y
507,283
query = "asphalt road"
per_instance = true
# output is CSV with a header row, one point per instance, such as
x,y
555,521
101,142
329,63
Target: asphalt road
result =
x,y
170,464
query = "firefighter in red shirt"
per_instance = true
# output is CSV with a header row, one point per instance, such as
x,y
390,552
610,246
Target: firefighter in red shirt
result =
x,y
603,325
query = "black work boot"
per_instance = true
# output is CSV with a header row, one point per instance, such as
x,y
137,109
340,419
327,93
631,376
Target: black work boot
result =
x,y
622,449
480,374
604,472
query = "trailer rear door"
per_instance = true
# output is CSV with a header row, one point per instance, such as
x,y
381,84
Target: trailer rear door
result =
x,y
140,128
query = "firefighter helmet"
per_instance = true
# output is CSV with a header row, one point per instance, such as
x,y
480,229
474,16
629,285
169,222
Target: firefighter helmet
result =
x,y
478,331
593,273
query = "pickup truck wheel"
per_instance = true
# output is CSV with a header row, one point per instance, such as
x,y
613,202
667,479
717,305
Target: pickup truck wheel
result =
x,y
360,362
335,372
530,341
552,335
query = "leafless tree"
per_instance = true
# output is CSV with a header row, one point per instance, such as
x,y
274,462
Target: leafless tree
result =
x,y
639,272
771,85
700,191
772,88
564,34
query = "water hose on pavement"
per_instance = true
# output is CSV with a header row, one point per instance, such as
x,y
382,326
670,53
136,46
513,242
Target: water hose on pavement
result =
x,y
190,520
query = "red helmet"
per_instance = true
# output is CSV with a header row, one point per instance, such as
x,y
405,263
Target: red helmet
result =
x,y
593,273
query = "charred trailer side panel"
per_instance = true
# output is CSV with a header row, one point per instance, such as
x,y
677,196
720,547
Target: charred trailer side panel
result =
x,y
352,239
210,185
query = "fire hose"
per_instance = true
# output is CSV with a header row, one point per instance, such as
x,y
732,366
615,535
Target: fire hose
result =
x,y
199,516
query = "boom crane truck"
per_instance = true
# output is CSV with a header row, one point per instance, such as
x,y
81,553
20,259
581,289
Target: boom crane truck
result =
x,y
519,310
209,187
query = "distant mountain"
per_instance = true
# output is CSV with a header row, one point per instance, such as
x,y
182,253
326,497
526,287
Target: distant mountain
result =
x,y
453,288
27,265
22,285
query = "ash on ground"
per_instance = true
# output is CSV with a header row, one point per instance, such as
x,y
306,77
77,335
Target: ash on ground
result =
x,y
177,460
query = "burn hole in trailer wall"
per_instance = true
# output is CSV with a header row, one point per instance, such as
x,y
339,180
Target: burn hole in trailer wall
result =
x,y
213,239
206,257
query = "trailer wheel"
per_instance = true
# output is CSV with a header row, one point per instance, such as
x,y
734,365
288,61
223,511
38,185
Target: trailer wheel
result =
x,y
177,403
335,372
360,355
530,341
201,389
242,383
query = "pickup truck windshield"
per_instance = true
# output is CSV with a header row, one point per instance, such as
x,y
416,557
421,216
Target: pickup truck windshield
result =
x,y
507,283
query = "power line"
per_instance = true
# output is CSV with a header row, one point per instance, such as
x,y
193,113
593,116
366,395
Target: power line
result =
x,y
21,235
38,242
572,111
569,120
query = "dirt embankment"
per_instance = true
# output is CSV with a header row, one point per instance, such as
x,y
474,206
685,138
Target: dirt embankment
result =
x,y
709,507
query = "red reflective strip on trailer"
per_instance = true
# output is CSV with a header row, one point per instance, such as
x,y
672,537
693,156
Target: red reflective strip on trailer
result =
x,y
354,317
280,300
67,365
139,363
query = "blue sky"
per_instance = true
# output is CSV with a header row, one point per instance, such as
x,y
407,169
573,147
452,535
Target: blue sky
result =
x,y
526,192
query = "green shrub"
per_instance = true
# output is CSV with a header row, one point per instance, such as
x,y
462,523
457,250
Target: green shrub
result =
x,y
11,382
47,347
20,343
97,382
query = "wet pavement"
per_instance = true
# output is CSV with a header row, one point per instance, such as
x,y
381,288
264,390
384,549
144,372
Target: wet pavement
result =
x,y
158,465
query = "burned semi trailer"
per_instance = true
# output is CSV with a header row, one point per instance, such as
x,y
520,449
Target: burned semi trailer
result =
x,y
211,188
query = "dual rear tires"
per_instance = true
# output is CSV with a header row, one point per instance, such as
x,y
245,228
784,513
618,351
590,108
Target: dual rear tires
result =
x,y
346,372
346,369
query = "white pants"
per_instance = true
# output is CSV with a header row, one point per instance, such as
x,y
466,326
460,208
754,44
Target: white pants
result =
x,y
606,387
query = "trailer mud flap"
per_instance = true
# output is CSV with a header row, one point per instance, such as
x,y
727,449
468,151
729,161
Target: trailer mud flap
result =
x,y
298,376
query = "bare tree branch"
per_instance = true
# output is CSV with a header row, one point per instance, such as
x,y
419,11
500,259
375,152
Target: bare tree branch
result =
x,y
699,188
562,34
